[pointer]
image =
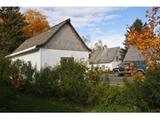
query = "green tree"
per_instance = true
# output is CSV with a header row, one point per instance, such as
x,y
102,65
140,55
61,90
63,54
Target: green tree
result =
x,y
11,34
138,24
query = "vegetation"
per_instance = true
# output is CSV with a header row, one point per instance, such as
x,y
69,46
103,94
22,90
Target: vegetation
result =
x,y
70,86
11,34
36,23
28,103
16,27
148,40
138,25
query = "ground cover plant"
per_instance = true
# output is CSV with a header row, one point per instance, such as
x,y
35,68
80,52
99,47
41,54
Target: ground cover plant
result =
x,y
73,87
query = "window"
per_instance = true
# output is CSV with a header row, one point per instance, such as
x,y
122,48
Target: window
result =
x,y
103,67
66,59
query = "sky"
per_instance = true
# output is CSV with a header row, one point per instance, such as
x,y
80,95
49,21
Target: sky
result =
x,y
108,24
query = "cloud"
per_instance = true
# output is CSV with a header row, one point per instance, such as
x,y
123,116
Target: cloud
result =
x,y
80,16
89,19
111,38
114,40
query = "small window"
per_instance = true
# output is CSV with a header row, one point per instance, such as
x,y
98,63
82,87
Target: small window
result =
x,y
66,59
103,67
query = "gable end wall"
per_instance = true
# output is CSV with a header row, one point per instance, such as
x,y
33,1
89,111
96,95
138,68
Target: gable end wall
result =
x,y
66,39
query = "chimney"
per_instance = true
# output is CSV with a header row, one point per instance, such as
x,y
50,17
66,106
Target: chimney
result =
x,y
105,46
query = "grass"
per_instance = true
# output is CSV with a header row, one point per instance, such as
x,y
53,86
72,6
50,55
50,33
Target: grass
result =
x,y
27,103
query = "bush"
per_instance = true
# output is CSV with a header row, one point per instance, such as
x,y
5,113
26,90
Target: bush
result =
x,y
144,93
46,82
73,83
133,95
21,74
97,75
4,68
110,97
6,90
151,88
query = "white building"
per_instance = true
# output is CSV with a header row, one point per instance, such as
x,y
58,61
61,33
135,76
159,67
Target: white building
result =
x,y
105,58
48,48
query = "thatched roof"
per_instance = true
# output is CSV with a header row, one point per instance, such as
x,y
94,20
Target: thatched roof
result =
x,y
44,37
133,54
103,55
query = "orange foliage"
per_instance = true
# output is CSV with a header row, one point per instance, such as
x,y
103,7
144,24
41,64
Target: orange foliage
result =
x,y
36,23
148,40
1,21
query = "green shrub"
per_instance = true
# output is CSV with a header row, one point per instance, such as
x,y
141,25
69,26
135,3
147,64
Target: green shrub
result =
x,y
144,93
21,74
4,68
97,75
111,96
73,85
133,95
7,93
46,82
151,88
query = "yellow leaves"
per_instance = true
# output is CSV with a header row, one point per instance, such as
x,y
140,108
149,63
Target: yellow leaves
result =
x,y
144,42
147,40
36,23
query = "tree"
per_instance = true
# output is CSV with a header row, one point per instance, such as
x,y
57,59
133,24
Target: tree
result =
x,y
11,24
138,24
98,45
36,23
148,40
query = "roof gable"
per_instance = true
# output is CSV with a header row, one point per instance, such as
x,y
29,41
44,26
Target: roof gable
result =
x,y
133,55
44,37
104,55
66,39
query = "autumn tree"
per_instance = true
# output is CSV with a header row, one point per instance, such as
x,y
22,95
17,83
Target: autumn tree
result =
x,y
36,23
11,24
148,40
138,24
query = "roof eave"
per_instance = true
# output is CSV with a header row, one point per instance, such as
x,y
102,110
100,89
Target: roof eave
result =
x,y
22,51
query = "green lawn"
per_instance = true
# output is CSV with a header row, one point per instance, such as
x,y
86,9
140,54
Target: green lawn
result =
x,y
27,103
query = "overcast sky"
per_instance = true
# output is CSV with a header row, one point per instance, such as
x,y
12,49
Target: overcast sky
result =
x,y
106,24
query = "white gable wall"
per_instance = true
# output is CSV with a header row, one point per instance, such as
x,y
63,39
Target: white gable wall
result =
x,y
33,57
52,57
65,43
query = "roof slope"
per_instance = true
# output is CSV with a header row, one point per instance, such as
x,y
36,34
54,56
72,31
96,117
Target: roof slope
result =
x,y
133,55
104,55
44,37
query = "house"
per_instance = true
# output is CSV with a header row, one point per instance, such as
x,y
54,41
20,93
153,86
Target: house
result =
x,y
60,42
105,58
133,55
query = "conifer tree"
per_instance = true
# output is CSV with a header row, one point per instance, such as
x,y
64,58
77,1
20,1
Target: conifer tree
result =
x,y
11,33
138,26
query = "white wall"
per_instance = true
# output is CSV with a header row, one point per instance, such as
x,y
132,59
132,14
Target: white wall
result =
x,y
33,57
109,66
52,57
115,64
106,65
